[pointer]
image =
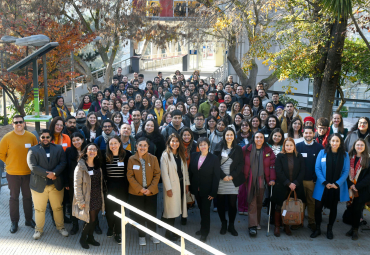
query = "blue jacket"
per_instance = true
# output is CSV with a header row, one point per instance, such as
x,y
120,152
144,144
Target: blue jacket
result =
x,y
320,169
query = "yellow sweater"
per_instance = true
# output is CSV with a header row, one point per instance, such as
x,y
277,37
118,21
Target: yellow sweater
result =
x,y
13,151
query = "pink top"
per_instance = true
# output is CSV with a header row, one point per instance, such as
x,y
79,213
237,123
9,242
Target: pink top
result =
x,y
201,160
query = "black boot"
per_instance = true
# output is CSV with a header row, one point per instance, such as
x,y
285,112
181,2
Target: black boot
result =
x,y
317,232
223,228
355,234
84,234
75,227
232,230
329,233
66,219
350,232
170,236
90,238
97,228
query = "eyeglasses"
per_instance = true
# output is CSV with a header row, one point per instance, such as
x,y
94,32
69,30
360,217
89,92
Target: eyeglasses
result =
x,y
94,150
198,119
45,137
107,126
362,123
59,125
18,122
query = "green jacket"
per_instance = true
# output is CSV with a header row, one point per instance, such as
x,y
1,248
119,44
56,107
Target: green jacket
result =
x,y
206,106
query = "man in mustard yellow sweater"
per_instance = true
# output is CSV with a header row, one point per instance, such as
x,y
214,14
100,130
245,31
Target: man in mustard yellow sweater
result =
x,y
13,151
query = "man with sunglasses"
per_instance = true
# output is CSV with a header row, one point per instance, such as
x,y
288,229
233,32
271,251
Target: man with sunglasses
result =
x,y
47,181
13,151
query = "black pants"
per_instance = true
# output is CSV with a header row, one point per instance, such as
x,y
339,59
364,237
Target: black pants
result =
x,y
17,183
319,205
358,205
120,191
232,209
147,204
204,205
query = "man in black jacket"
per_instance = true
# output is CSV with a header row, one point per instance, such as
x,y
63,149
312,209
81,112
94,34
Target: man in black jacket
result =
x,y
240,96
47,181
175,126
70,127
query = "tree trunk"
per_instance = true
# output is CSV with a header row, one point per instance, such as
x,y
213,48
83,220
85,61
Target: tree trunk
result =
x,y
231,56
253,75
109,71
333,66
269,81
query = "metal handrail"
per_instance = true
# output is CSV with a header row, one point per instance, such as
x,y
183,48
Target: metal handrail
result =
x,y
183,235
220,74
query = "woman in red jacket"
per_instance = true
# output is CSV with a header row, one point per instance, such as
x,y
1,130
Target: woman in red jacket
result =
x,y
259,168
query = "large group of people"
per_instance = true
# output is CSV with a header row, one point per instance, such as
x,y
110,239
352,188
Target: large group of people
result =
x,y
215,143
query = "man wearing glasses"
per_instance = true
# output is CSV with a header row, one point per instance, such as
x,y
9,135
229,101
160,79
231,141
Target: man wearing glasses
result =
x,y
323,131
13,151
102,140
47,181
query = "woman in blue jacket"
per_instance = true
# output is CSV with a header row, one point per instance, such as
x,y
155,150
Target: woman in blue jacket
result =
x,y
332,168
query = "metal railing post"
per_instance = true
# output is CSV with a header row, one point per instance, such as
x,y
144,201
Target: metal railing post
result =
x,y
123,231
182,246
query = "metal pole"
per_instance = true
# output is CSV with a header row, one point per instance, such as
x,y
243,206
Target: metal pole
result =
x,y
182,245
36,93
46,96
123,231
73,84
4,94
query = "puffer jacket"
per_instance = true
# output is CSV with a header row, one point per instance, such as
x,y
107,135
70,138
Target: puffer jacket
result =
x,y
82,192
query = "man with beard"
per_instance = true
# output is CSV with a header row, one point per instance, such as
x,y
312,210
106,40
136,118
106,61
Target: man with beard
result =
x,y
102,140
309,149
128,142
228,101
47,181
130,92
94,90
70,127
136,122
206,106
136,89
104,113
175,126
114,86
240,96
223,114
176,95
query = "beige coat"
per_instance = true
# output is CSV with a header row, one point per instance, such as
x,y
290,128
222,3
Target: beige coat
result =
x,y
82,190
170,178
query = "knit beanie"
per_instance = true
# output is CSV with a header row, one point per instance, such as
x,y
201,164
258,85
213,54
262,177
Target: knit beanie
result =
x,y
309,118
167,95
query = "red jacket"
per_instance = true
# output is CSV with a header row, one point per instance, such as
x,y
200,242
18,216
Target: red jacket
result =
x,y
268,162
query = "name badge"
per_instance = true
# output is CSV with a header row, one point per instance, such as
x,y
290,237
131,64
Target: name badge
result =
x,y
99,118
224,154
323,160
266,135
64,144
91,172
267,155
120,163
107,118
304,155
136,167
48,155
342,135
284,212
27,145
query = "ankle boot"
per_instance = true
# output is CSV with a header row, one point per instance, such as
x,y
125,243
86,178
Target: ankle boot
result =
x,y
232,230
84,234
329,233
92,241
223,228
277,217
355,234
317,232
350,232
287,230
75,227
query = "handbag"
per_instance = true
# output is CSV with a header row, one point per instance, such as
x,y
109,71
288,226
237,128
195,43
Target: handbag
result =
x,y
292,210
190,201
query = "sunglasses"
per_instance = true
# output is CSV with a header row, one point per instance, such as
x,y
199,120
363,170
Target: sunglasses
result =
x,y
45,137
18,122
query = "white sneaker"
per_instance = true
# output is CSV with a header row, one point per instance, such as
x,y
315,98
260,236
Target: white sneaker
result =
x,y
37,235
246,213
63,232
154,240
142,241
215,209
259,227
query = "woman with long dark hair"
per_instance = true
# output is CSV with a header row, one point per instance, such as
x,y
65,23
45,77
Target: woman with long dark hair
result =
x,y
359,130
295,130
175,177
88,197
216,136
190,145
359,183
337,125
244,135
85,104
188,119
117,104
270,108
258,169
72,155
126,116
263,114
96,105
80,119
56,132
145,104
158,111
118,121
59,108
255,124
92,128
256,104
247,112
231,177
272,122
115,161
332,168
290,169
237,122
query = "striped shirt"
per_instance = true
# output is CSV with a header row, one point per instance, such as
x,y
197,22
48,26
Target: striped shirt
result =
x,y
116,169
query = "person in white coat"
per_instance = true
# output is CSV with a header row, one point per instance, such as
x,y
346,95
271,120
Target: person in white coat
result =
x,y
175,178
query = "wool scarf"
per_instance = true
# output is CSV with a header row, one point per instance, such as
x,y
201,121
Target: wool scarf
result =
x,y
334,166
354,173
106,137
256,173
